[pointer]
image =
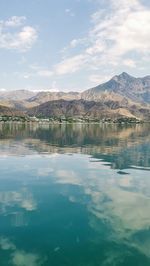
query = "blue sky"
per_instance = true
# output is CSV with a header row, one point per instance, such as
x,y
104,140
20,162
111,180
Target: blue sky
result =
x,y
72,44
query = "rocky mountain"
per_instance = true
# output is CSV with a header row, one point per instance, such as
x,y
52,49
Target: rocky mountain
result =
x,y
17,95
17,99
23,99
123,95
88,109
46,96
123,87
6,111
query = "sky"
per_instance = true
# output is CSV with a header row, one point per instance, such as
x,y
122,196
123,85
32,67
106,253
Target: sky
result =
x,y
72,45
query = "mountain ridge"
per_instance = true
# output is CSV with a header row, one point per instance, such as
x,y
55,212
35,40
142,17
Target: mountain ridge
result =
x,y
125,85
122,95
88,109
134,89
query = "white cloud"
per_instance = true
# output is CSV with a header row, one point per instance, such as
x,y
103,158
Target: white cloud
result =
x,y
37,70
71,65
26,76
118,30
98,79
21,38
69,12
125,30
15,21
45,73
54,88
129,63
74,43
125,4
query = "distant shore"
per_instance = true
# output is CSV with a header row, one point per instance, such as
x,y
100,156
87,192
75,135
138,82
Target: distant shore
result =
x,y
71,120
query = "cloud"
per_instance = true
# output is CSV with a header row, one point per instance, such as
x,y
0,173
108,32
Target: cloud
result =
x,y
129,63
15,21
71,65
37,70
119,34
26,76
69,12
98,79
45,73
125,30
74,43
21,38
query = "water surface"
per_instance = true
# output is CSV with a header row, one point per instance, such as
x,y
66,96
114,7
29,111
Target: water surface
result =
x,y
75,195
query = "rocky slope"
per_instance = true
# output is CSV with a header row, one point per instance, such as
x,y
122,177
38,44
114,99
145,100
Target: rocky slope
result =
x,y
17,95
123,95
123,87
23,99
88,109
46,96
17,99
6,111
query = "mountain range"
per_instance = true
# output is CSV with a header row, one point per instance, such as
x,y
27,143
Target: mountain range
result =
x,y
122,96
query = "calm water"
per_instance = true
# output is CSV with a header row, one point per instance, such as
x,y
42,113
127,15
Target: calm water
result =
x,y
74,195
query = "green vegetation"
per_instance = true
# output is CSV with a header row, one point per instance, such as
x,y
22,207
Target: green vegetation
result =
x,y
81,119
67,119
126,120
6,118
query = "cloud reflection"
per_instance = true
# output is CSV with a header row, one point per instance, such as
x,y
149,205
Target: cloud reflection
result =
x,y
122,201
23,199
19,257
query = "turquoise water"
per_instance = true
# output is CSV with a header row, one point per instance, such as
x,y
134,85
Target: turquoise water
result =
x,y
76,195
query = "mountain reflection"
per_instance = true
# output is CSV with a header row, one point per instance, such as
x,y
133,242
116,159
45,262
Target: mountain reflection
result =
x,y
121,146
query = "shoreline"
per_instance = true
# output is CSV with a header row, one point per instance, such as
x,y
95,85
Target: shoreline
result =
x,y
41,122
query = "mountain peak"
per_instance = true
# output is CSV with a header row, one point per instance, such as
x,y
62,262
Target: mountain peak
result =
x,y
123,76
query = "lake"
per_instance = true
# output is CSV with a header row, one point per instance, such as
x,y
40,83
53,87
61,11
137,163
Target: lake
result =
x,y
74,195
